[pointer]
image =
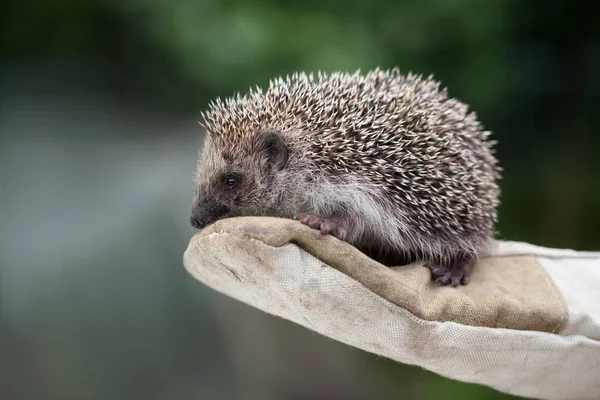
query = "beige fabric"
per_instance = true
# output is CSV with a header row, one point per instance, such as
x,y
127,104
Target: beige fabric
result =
x,y
519,326
505,292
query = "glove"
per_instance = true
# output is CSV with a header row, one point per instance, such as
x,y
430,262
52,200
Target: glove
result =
x,y
527,324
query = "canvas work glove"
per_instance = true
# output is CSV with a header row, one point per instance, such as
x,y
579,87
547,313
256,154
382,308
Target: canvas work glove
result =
x,y
528,323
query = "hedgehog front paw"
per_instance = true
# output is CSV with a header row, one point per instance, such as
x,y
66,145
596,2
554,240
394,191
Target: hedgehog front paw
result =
x,y
326,226
454,273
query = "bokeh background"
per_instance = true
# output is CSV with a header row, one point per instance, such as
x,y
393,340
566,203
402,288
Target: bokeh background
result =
x,y
99,102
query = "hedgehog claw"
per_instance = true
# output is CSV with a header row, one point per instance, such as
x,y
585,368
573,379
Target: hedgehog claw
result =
x,y
454,274
325,226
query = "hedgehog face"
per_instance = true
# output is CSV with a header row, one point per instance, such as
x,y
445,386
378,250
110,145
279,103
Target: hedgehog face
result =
x,y
237,181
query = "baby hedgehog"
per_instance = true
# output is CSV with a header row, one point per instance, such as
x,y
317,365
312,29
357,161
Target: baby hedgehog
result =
x,y
384,161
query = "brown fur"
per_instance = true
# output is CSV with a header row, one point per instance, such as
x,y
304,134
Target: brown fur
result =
x,y
405,168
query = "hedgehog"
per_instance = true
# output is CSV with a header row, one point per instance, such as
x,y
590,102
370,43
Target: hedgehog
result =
x,y
384,161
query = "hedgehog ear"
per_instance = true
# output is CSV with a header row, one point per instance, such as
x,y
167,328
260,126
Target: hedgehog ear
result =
x,y
274,150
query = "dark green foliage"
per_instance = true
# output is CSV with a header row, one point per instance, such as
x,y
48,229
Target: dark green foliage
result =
x,y
529,69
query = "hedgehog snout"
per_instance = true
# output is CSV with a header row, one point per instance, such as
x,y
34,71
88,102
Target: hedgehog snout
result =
x,y
205,214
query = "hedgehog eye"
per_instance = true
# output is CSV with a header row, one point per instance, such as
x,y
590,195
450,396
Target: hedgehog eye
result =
x,y
230,181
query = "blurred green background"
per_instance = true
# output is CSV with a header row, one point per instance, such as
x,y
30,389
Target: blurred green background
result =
x,y
98,142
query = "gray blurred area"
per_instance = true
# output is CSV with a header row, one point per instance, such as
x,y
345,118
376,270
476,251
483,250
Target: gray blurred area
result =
x,y
95,300
99,102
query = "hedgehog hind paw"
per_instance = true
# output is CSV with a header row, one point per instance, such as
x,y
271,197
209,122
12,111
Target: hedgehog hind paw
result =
x,y
453,273
324,225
